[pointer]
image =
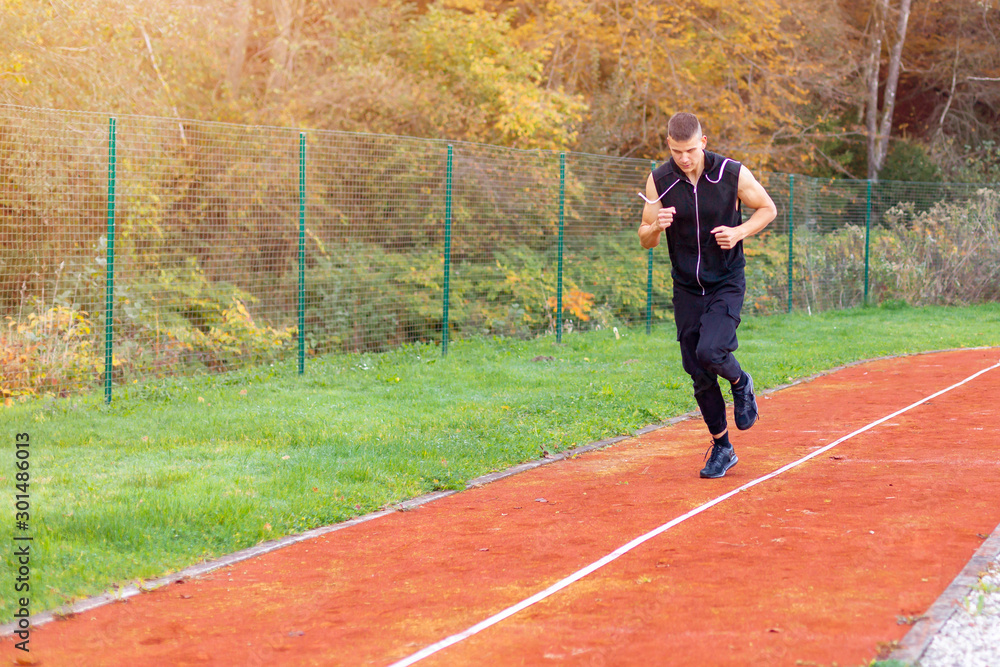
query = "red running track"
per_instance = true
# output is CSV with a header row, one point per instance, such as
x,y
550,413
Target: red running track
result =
x,y
817,566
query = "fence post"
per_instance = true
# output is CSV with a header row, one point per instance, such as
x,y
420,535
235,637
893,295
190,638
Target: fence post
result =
x,y
559,269
302,252
791,234
649,278
109,301
447,250
868,232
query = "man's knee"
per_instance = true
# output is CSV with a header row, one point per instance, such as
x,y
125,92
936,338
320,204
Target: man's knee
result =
x,y
711,357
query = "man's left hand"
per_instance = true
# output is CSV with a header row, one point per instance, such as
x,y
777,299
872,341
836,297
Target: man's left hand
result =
x,y
727,237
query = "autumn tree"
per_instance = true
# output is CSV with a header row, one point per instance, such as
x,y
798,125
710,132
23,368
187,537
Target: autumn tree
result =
x,y
832,88
116,56
950,91
745,68
452,70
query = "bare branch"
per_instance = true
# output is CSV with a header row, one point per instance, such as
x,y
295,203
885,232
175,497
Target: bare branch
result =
x,y
951,94
833,163
818,135
170,96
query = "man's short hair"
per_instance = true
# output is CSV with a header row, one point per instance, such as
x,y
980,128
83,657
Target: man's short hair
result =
x,y
684,126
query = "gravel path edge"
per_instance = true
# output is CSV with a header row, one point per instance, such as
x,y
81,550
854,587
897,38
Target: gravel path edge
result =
x,y
916,642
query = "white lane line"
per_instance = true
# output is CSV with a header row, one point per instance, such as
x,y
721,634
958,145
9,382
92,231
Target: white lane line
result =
x,y
622,550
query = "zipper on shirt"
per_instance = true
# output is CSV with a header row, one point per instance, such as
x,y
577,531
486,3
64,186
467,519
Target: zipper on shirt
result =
x,y
697,222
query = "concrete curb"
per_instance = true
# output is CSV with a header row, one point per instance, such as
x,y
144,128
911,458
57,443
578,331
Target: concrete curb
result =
x,y
916,642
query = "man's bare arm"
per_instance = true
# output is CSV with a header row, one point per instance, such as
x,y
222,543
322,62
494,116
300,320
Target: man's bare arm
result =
x,y
753,195
655,218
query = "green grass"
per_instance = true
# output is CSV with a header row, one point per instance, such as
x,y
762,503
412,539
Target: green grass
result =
x,y
192,468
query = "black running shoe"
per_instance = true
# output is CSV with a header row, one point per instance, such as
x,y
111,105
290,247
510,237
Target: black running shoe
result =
x,y
722,459
744,403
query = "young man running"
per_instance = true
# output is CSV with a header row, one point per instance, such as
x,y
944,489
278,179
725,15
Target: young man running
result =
x,y
696,199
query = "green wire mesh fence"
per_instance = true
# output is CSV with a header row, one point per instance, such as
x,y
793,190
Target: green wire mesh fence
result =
x,y
217,246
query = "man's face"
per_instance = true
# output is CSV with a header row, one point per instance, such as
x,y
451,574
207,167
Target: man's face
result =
x,y
689,154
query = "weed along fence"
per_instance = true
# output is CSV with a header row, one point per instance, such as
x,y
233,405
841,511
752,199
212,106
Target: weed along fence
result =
x,y
136,247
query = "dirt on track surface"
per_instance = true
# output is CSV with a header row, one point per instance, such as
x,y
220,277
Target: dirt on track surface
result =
x,y
824,564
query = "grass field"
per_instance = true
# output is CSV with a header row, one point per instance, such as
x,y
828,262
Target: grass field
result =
x,y
191,468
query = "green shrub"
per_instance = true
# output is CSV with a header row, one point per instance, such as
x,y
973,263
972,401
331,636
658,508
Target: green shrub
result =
x,y
949,254
364,297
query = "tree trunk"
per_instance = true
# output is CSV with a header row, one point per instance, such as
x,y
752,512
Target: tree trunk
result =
x,y
874,65
878,138
238,48
282,52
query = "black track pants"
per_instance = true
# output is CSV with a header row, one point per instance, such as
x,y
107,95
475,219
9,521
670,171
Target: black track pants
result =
x,y
706,330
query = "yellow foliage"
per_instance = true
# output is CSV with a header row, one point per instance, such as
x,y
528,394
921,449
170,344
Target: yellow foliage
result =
x,y
465,5
53,351
496,79
637,62
577,302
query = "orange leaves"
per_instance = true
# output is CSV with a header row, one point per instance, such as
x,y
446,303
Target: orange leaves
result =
x,y
576,302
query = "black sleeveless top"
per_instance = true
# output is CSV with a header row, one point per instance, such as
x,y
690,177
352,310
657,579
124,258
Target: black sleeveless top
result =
x,y
698,264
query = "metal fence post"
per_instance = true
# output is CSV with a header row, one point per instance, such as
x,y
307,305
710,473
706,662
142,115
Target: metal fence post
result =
x,y
791,234
559,269
649,278
868,232
302,252
109,301
447,250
